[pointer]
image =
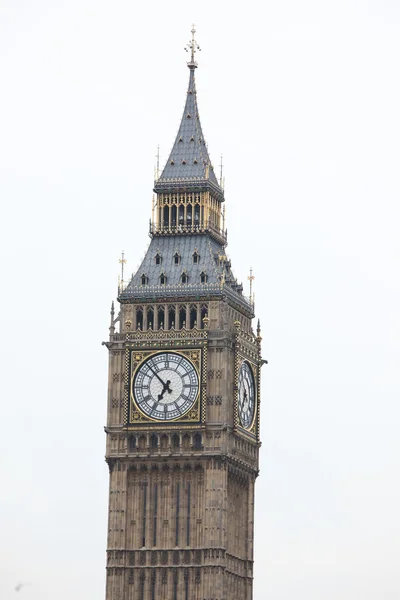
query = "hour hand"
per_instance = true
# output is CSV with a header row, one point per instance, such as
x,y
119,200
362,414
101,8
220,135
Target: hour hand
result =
x,y
166,388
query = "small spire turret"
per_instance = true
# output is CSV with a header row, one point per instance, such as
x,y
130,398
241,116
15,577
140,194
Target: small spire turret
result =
x,y
112,321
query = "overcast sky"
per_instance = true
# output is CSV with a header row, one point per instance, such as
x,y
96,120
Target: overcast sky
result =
x,y
302,99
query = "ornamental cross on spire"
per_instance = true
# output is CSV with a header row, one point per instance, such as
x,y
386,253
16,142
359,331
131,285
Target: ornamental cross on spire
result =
x,y
193,47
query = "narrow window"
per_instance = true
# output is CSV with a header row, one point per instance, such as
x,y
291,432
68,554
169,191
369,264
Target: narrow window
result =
x,y
182,317
144,514
197,441
175,441
171,317
175,586
161,317
188,517
155,515
173,215
186,584
153,585
154,441
193,317
203,277
158,259
197,214
142,581
150,317
181,214
196,258
178,491
184,278
144,279
203,314
132,443
163,279
177,258
166,216
189,214
139,318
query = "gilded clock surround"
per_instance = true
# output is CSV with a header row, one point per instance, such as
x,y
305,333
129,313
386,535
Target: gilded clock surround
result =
x,y
137,359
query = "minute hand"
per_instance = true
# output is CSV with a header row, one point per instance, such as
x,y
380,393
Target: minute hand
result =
x,y
158,377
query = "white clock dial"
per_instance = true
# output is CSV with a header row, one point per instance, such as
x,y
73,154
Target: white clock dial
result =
x,y
165,386
246,395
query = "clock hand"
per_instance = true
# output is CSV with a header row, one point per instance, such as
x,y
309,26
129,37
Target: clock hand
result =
x,y
166,388
158,377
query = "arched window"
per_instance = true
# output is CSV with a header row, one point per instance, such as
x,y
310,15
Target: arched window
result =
x,y
181,214
189,214
163,279
196,257
203,277
184,278
182,317
139,318
171,316
193,316
150,317
166,216
173,216
175,441
197,214
144,279
158,259
161,317
154,441
203,313
186,441
164,441
132,443
177,258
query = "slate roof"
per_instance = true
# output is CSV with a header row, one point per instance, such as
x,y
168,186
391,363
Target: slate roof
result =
x,y
220,278
189,161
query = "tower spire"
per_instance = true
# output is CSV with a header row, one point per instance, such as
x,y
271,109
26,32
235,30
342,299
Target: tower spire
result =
x,y
193,47
189,163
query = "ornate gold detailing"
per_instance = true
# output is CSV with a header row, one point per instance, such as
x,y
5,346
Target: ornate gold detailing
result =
x,y
251,279
193,47
121,284
195,414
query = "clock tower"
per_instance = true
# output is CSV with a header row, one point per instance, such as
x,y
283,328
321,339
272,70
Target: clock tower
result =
x,y
183,408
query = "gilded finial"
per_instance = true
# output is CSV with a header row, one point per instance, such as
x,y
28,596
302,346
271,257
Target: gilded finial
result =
x,y
157,174
251,279
193,47
122,262
221,177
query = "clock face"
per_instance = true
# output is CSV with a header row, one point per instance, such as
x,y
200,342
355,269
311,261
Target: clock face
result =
x,y
246,395
165,386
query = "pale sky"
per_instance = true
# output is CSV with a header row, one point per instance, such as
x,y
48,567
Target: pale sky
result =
x,y
302,99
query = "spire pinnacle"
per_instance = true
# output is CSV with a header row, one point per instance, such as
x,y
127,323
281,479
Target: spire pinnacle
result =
x,y
193,47
251,278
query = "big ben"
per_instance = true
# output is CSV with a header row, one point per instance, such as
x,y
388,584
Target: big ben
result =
x,y
183,413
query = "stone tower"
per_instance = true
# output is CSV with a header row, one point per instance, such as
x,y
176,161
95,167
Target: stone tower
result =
x,y
183,398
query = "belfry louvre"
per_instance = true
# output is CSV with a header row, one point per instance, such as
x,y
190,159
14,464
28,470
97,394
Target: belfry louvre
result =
x,y
183,430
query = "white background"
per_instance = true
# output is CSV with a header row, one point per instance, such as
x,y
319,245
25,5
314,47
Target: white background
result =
x,y
302,99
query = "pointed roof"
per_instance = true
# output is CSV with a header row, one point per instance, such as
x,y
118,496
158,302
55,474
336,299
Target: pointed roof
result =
x,y
189,165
